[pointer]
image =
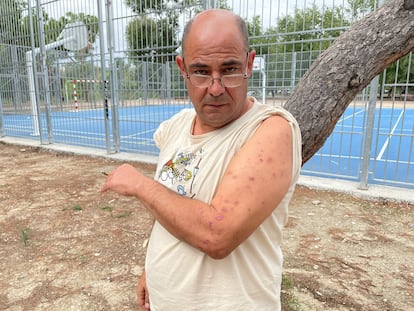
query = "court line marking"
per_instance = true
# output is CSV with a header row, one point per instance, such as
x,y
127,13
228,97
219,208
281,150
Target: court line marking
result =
x,y
137,134
387,141
345,158
351,115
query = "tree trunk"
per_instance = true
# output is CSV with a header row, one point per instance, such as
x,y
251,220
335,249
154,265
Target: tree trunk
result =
x,y
347,67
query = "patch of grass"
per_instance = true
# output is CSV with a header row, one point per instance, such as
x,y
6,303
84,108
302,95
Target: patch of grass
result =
x,y
25,235
289,302
122,215
287,283
76,207
83,258
107,208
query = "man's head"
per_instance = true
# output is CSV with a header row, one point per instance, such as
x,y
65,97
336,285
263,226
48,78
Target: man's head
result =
x,y
239,22
215,44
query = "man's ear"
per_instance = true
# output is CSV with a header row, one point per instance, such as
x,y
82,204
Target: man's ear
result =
x,y
179,60
252,55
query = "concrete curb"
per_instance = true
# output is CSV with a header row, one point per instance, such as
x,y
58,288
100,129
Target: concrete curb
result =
x,y
374,192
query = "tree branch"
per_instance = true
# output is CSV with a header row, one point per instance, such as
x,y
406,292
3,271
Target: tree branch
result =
x,y
347,67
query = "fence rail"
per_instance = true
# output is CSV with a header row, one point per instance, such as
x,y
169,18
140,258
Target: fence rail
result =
x,y
102,74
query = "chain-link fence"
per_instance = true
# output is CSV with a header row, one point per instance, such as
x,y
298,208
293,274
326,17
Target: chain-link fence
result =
x,y
102,74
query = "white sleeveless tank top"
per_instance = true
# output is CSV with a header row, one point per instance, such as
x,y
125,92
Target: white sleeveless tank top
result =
x,y
181,277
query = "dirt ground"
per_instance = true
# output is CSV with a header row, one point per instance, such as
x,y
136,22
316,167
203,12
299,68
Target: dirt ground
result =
x,y
66,246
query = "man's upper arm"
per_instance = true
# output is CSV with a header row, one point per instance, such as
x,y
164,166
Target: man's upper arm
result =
x,y
256,180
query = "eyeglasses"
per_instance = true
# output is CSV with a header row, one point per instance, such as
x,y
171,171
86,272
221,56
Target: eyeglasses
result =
x,y
228,81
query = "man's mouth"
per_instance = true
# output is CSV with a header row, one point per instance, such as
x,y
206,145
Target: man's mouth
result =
x,y
215,105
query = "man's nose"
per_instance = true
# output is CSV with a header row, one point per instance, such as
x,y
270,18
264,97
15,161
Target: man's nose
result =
x,y
216,88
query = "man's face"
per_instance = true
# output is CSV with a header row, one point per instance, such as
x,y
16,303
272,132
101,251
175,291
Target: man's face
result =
x,y
216,50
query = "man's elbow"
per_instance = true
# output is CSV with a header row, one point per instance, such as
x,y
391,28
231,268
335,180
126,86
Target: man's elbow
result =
x,y
218,254
219,249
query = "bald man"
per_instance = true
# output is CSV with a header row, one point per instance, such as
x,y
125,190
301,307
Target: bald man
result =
x,y
226,172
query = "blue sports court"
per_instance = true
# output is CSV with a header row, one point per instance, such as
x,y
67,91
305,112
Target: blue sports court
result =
x,y
391,154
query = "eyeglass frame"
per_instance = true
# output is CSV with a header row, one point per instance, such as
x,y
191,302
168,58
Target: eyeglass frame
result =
x,y
243,75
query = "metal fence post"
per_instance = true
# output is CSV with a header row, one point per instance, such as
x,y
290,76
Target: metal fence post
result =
x,y
103,72
33,82
43,56
114,76
168,87
209,4
293,72
369,132
144,77
16,82
1,117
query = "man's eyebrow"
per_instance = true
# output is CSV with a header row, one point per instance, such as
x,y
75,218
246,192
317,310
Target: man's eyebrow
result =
x,y
232,63
224,64
198,65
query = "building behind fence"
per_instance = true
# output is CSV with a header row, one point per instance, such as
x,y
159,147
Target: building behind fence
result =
x,y
102,74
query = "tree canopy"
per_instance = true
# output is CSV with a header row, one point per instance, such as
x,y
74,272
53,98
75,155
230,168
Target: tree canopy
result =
x,y
307,32
153,34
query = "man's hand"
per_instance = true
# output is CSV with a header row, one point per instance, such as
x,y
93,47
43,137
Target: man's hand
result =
x,y
142,293
124,180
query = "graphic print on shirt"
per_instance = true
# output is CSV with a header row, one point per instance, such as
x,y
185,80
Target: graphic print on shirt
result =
x,y
181,171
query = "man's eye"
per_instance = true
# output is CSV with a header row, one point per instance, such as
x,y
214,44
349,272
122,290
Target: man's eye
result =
x,y
201,72
230,70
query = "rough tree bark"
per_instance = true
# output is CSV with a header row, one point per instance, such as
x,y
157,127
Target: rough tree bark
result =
x,y
347,67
